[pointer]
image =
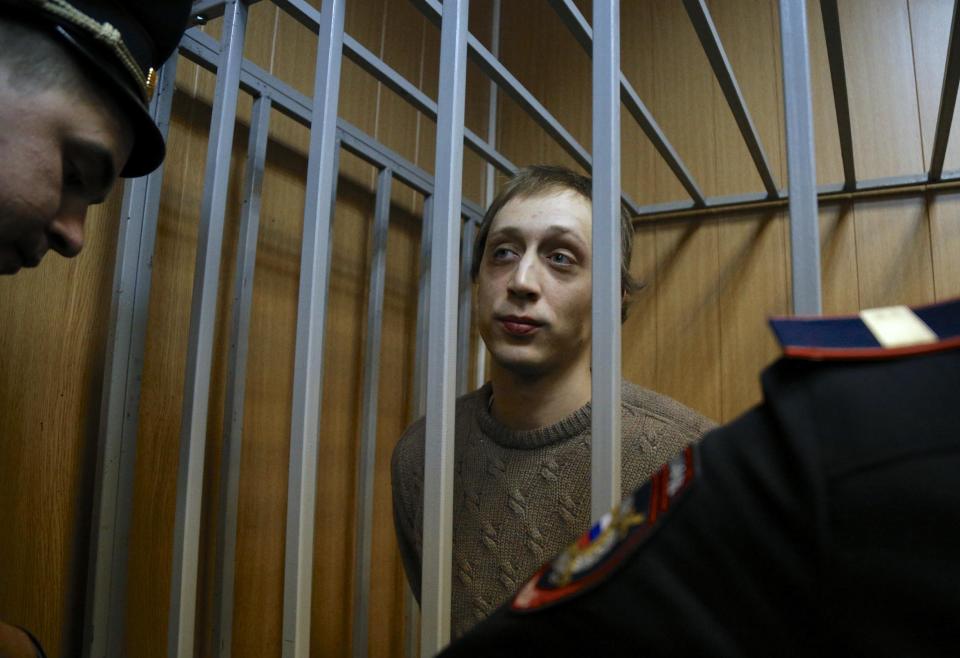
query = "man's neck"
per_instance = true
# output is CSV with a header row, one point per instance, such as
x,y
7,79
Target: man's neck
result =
x,y
522,402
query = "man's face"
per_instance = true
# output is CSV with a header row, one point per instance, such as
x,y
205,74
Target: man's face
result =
x,y
60,151
534,284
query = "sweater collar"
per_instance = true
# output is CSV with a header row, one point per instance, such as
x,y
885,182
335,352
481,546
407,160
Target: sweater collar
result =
x,y
575,424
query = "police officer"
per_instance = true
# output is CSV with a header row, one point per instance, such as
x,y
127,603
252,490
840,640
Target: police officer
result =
x,y
826,521
75,81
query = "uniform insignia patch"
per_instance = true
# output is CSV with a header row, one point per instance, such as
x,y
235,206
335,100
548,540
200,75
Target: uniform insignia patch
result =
x,y
611,540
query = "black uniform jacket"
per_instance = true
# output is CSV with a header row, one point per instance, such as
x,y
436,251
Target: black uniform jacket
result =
x,y
826,521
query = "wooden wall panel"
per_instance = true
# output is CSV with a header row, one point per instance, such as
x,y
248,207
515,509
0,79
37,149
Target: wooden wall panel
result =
x,y
839,274
688,339
893,253
52,346
880,79
930,33
753,247
945,241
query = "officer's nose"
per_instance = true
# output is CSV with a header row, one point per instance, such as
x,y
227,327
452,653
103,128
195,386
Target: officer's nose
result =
x,y
66,231
525,282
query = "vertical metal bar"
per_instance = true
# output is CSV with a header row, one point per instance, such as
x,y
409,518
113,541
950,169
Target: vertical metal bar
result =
x,y
418,402
368,430
236,377
838,75
801,169
467,238
311,316
605,453
438,489
105,612
710,40
948,97
480,357
193,430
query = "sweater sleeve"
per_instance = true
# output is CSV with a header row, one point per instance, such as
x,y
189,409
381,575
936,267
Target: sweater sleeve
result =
x,y
406,483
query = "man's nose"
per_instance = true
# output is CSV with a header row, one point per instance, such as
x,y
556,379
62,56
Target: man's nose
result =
x,y
525,280
66,231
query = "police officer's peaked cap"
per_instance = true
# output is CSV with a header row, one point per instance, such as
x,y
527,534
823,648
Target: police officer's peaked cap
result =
x,y
121,43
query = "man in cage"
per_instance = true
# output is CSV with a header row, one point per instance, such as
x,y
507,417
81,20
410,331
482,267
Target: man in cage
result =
x,y
522,478
825,521
75,80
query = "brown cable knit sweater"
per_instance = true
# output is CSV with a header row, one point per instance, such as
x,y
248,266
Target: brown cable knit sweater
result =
x,y
522,496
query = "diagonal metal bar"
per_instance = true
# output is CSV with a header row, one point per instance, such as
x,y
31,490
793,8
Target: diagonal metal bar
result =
x,y
236,378
583,33
710,40
311,317
948,97
419,100
193,431
201,49
838,76
441,358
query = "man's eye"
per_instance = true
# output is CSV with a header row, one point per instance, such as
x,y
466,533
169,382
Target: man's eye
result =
x,y
560,258
502,253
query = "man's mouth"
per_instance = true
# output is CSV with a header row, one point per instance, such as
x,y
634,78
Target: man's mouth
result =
x,y
518,325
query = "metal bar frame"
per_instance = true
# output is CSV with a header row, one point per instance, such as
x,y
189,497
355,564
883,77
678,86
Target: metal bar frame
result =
x,y
311,318
710,40
605,352
368,429
105,610
497,72
948,98
441,365
193,433
583,33
838,77
420,101
237,376
419,396
801,160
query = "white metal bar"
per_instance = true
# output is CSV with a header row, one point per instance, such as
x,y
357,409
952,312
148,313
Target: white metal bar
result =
x,y
311,316
441,365
368,430
236,378
801,170
193,432
605,453
105,612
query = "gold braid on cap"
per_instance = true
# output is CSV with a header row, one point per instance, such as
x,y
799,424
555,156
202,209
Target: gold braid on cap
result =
x,y
105,33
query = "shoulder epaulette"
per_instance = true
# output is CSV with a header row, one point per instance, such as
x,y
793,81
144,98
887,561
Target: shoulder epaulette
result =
x,y
878,333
